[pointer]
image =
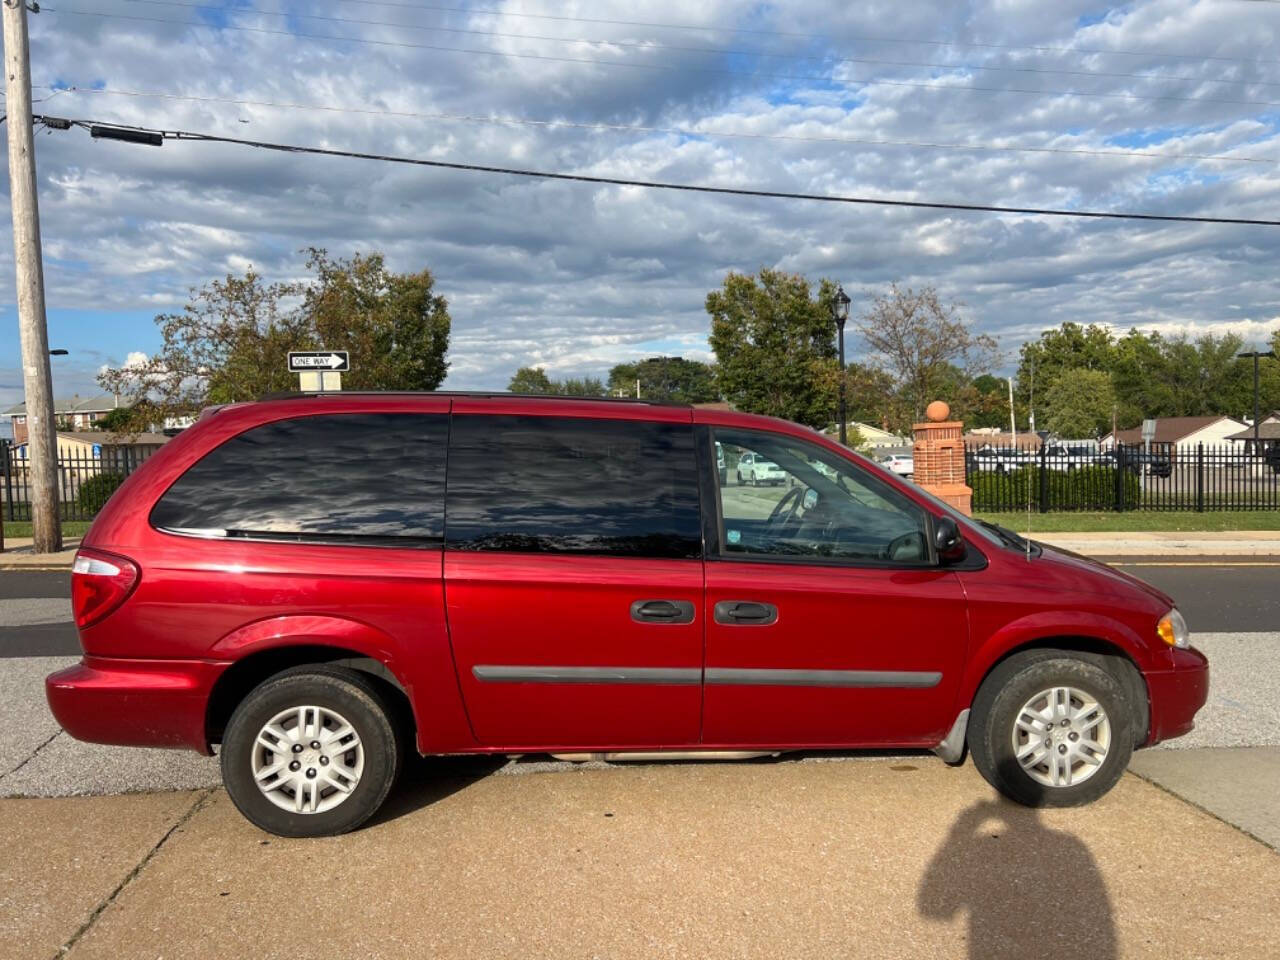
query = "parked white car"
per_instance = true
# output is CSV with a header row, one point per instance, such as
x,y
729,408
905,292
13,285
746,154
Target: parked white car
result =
x,y
903,464
755,470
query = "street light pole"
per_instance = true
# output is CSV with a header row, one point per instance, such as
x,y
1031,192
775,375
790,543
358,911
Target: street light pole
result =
x,y
36,375
1257,355
840,312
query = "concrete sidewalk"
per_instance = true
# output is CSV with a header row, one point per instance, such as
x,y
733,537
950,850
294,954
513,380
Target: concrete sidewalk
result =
x,y
18,555
873,858
1167,544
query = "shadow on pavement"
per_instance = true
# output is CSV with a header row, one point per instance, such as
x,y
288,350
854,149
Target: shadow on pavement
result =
x,y
1029,890
427,780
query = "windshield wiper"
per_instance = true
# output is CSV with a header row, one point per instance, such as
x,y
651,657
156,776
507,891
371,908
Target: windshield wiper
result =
x,y
1008,536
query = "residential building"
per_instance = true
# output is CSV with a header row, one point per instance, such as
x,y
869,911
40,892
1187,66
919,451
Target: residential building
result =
x,y
1182,434
71,413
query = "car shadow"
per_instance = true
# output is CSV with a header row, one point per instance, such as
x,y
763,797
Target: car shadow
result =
x,y
1029,890
427,780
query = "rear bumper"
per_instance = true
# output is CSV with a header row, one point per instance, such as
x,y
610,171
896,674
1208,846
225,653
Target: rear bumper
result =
x,y
137,703
1177,694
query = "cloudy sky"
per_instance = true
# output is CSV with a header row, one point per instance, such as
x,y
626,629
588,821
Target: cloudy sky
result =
x,y
1166,106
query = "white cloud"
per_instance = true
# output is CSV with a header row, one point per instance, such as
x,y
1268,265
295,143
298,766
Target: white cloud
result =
x,y
578,277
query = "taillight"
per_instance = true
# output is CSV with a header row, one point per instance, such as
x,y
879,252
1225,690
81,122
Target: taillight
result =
x,y
100,582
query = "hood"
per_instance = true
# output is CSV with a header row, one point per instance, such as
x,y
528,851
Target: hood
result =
x,y
1079,562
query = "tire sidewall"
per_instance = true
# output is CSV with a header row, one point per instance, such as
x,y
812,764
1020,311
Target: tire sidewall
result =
x,y
359,703
998,711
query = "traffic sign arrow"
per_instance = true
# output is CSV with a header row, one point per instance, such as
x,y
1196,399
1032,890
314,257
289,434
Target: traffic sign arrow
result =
x,y
302,361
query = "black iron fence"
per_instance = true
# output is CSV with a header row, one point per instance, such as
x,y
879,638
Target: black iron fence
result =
x,y
1158,477
87,475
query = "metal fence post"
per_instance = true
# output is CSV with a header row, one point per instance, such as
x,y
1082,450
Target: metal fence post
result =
x,y
1119,479
6,452
1199,478
1044,480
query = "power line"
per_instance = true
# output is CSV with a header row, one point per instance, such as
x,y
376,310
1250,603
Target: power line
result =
x,y
718,51
122,131
672,131
811,36
664,67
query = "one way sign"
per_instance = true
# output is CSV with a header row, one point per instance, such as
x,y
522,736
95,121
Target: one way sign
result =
x,y
306,361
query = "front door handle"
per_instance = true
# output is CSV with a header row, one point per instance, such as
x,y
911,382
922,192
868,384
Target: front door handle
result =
x,y
746,613
662,611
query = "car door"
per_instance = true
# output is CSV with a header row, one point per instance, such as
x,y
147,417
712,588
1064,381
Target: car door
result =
x,y
828,621
573,573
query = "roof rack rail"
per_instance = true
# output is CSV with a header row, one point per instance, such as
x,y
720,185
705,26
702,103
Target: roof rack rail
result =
x,y
494,394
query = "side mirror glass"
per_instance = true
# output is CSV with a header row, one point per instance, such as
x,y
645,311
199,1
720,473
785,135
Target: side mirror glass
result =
x,y
947,539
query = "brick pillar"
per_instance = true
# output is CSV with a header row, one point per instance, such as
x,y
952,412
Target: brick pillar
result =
x,y
939,458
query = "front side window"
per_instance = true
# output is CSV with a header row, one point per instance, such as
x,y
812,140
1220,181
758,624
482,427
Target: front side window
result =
x,y
797,500
565,485
370,478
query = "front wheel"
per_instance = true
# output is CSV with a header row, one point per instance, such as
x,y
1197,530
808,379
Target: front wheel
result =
x,y
1051,730
311,752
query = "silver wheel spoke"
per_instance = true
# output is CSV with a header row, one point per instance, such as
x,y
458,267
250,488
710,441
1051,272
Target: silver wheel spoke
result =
x,y
336,762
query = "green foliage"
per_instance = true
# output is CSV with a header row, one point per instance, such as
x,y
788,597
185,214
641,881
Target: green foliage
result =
x,y
534,380
95,491
119,420
231,340
774,342
1085,488
1079,403
665,380
1151,375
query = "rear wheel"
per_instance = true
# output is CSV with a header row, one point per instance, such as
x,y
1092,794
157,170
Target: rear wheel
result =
x,y
311,752
1051,730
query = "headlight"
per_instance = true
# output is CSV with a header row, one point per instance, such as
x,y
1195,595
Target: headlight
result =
x,y
1173,630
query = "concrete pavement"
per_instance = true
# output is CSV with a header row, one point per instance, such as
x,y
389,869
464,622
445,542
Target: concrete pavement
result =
x,y
880,858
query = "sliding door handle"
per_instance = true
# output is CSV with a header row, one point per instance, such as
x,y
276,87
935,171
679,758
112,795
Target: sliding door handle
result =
x,y
746,613
662,611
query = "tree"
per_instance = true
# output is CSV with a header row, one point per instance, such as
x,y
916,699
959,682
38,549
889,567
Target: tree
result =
x,y
534,380
231,340
774,343
1080,403
872,398
119,420
394,325
665,380
923,343
531,380
984,402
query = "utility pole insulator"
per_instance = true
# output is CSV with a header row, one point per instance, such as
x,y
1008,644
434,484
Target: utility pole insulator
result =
x,y
36,377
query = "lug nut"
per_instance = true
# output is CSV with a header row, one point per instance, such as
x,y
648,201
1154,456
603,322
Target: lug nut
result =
x,y
297,748
315,744
295,766
1048,742
311,771
1066,723
1062,748
1073,736
324,761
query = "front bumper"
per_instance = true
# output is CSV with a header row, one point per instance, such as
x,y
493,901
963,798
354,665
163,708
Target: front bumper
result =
x,y
137,703
1177,694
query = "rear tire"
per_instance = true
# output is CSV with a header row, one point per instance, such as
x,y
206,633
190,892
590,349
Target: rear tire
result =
x,y
1051,730
345,779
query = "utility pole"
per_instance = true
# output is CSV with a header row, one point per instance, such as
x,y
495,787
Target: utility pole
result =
x,y
36,376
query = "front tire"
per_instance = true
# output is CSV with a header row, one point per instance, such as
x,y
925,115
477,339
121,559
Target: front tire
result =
x,y
1051,730
311,752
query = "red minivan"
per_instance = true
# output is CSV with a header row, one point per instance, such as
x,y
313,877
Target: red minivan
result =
x,y
320,583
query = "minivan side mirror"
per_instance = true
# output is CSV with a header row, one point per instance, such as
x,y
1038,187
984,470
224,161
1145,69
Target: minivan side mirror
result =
x,y
947,540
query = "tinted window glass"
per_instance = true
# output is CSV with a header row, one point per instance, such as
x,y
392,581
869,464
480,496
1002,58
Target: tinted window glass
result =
x,y
553,485
369,476
788,498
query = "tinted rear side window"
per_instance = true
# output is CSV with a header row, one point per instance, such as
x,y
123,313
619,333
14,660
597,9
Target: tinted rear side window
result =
x,y
558,485
369,477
